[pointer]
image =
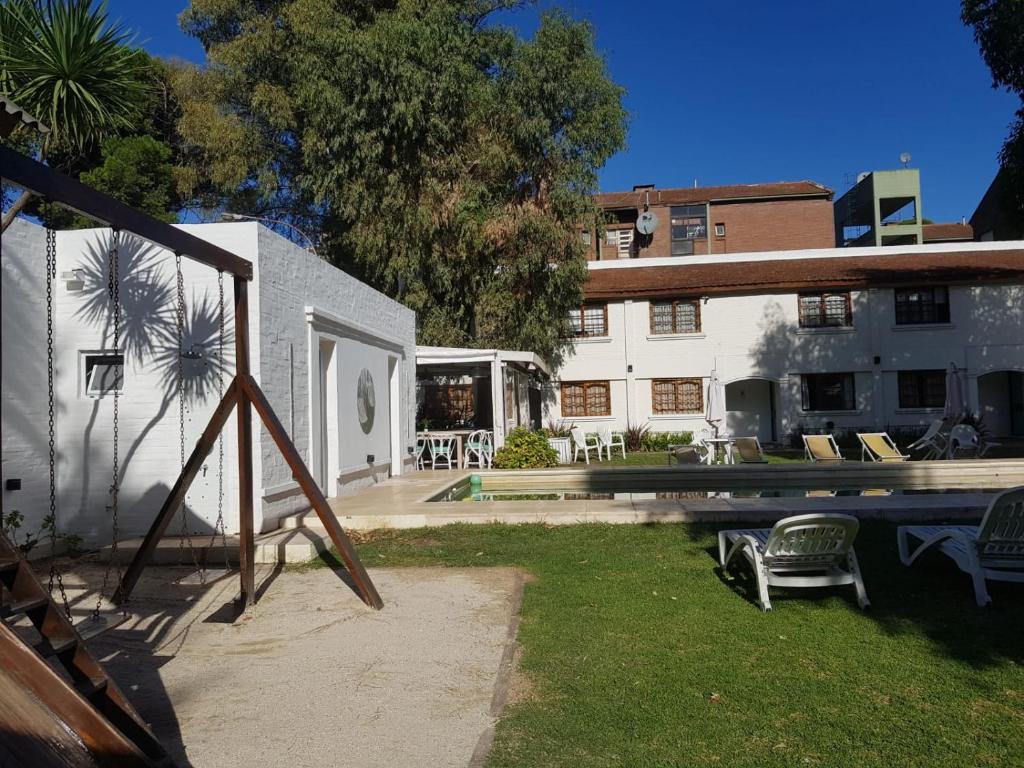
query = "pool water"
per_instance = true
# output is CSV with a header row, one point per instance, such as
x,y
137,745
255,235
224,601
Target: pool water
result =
x,y
463,492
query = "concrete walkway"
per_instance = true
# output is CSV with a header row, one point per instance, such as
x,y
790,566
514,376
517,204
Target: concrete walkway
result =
x,y
312,677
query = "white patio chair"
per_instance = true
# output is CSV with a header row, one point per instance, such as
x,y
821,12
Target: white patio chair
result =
x,y
609,440
963,442
992,550
479,449
813,550
935,440
878,446
421,448
701,440
984,445
583,443
442,450
822,449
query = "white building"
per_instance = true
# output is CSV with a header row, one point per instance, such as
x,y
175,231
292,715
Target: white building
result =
x,y
335,358
813,339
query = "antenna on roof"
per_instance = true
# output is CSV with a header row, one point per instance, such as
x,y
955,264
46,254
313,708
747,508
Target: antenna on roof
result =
x,y
905,158
694,183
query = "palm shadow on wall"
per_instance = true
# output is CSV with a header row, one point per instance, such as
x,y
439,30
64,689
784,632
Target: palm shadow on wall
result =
x,y
194,370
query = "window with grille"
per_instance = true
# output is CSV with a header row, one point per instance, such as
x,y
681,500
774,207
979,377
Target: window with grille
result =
x,y
916,306
677,316
689,223
586,398
104,373
825,310
922,389
827,392
588,320
677,395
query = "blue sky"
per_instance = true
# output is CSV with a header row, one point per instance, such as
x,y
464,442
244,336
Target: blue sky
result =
x,y
741,91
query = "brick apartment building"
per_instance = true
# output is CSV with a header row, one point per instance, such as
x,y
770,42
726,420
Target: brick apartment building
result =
x,y
737,218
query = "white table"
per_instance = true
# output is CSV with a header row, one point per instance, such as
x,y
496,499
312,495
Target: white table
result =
x,y
714,443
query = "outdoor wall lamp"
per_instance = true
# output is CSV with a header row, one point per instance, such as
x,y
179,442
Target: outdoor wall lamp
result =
x,y
705,299
369,458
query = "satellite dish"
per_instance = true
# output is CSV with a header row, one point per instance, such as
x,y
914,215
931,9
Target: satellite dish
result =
x,y
905,158
647,223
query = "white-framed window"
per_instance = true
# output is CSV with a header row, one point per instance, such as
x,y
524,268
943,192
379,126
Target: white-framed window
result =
x,y
719,230
102,373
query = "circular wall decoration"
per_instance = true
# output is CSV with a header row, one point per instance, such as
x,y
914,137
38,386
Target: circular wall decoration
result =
x,y
366,400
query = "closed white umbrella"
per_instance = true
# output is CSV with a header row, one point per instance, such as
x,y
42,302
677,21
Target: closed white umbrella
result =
x,y
955,400
716,402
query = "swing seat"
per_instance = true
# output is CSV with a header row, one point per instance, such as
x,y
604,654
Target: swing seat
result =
x,y
197,578
94,626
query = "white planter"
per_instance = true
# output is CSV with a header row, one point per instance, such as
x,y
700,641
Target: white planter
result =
x,y
563,445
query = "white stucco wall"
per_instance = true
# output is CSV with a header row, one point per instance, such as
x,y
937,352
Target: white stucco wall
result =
x,y
758,337
288,280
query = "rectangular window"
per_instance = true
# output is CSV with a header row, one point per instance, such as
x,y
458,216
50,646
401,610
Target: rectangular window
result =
x,y
922,389
586,398
827,392
677,395
104,373
719,230
916,306
589,320
825,310
677,316
689,223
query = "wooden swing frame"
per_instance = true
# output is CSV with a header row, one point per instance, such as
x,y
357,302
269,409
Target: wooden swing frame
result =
x,y
242,395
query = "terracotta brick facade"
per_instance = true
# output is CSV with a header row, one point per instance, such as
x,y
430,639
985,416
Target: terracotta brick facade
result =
x,y
751,223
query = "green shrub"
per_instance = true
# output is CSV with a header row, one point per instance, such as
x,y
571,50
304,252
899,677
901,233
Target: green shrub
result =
x,y
558,428
660,441
524,449
634,436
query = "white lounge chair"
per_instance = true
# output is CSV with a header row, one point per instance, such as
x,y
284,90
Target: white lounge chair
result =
x,y
992,550
822,449
583,443
609,440
878,446
813,550
935,440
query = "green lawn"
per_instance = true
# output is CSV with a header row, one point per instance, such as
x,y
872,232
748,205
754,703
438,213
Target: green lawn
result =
x,y
639,654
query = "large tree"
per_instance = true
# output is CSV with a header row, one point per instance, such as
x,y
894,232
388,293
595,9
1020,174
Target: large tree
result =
x,y
999,30
107,103
435,153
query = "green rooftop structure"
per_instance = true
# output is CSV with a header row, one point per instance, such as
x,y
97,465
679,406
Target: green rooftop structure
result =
x,y
882,208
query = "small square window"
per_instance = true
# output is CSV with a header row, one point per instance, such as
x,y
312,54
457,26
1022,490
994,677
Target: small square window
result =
x,y
103,373
719,230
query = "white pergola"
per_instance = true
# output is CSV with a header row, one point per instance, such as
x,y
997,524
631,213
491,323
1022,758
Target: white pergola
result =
x,y
458,360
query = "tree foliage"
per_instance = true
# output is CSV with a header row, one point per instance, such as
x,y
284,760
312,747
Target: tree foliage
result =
x,y
438,155
998,27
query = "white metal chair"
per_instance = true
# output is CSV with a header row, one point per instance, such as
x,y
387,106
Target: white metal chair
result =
x,y
583,443
992,550
822,449
963,441
702,440
479,449
813,550
442,450
878,446
609,440
421,448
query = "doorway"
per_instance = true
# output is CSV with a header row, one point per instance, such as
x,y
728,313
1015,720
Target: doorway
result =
x,y
327,419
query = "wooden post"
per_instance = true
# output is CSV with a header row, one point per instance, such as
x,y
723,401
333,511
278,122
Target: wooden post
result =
x,y
247,543
252,393
173,502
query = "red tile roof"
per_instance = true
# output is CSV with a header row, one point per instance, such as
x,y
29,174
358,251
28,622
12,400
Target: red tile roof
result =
x,y
786,275
684,196
946,232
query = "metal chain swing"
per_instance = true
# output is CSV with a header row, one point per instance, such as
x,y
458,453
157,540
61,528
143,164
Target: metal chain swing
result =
x,y
218,526
51,519
114,293
186,534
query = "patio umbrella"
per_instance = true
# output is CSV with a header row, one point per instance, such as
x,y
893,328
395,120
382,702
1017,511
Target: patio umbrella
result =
x,y
955,401
716,402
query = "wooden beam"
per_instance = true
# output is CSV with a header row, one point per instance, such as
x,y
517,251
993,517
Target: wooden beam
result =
x,y
247,541
176,498
305,480
58,188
